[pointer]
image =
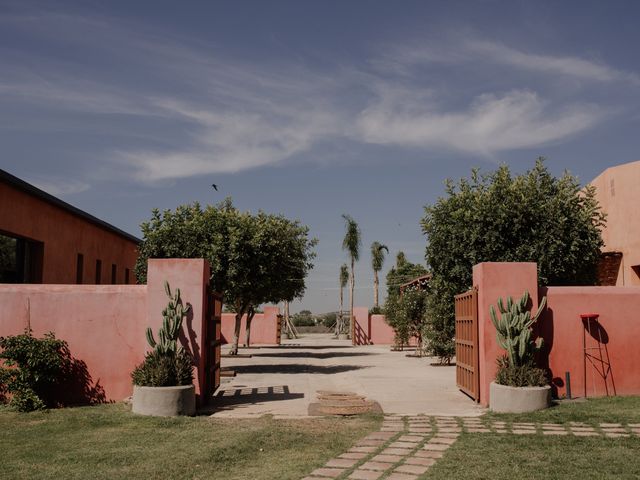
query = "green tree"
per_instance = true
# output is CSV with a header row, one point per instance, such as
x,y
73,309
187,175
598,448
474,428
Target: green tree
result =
x,y
499,217
254,259
407,315
351,243
304,318
343,278
377,260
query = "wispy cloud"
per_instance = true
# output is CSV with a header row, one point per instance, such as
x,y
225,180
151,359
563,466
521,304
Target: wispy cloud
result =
x,y
60,187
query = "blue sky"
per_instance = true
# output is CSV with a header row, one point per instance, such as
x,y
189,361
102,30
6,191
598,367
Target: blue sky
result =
x,y
311,109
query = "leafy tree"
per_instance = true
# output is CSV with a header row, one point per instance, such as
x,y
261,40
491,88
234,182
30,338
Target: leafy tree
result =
x,y
403,272
304,318
343,278
329,319
377,260
498,217
406,314
254,259
351,243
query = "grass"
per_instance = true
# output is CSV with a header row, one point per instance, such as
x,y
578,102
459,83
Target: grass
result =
x,y
107,441
611,409
500,456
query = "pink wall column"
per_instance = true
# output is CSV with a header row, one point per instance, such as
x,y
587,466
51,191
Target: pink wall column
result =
x,y
495,280
380,332
361,321
264,327
191,276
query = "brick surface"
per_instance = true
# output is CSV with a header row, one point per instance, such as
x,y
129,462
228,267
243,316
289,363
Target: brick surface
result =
x,y
365,475
413,469
524,432
428,454
379,466
411,438
438,447
586,434
408,445
380,436
401,476
420,461
342,462
363,449
328,472
396,451
353,455
370,443
444,440
383,458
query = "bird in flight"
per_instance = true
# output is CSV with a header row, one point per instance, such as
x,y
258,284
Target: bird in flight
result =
x,y
215,187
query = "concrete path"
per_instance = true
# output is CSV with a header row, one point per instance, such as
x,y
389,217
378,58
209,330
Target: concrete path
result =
x,y
283,380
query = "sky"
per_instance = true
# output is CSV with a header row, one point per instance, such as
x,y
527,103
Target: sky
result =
x,y
311,109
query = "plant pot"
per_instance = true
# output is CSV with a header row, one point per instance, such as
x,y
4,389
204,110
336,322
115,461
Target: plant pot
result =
x,y
164,401
504,399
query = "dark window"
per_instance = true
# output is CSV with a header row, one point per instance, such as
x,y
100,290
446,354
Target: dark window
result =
x,y
80,269
114,273
98,271
20,260
126,276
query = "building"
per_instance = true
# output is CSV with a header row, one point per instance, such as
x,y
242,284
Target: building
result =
x,y
618,193
46,240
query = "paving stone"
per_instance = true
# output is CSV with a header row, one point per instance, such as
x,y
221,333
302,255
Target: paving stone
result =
x,y
435,446
396,451
353,455
420,461
365,475
446,441
608,425
634,425
411,438
448,435
401,476
413,469
370,443
363,449
586,434
449,430
378,466
616,435
546,426
428,454
555,432
523,432
419,430
380,436
328,472
392,429
578,424
408,445
341,462
582,429
614,430
385,458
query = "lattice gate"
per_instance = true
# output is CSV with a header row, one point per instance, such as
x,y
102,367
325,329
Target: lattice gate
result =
x,y
211,346
467,364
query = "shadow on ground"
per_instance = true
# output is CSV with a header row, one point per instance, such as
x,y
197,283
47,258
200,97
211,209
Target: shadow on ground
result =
x,y
236,397
313,354
296,368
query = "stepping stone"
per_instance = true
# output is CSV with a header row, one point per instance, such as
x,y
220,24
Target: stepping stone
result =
x,y
365,475
413,469
446,441
328,472
448,435
428,454
616,435
378,466
524,432
439,447
607,425
341,463
396,451
363,449
370,443
384,458
614,430
555,432
354,456
586,434
379,436
427,462
411,438
408,445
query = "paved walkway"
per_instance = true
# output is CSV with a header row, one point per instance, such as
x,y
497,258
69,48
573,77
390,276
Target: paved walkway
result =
x,y
283,380
406,447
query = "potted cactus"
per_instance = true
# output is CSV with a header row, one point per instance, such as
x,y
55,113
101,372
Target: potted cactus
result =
x,y
163,382
520,386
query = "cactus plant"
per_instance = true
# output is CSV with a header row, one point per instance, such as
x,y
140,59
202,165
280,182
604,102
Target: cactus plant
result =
x,y
172,317
513,329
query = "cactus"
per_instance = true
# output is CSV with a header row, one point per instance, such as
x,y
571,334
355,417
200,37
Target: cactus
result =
x,y
513,329
172,317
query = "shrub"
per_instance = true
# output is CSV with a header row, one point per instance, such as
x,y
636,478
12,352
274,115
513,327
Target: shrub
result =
x,y
376,310
527,375
37,365
162,370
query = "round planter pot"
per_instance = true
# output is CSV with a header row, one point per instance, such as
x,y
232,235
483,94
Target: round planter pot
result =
x,y
164,401
504,399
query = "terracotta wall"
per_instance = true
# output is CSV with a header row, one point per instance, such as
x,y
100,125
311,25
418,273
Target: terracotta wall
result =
x,y
562,329
264,327
373,329
105,324
64,236
380,333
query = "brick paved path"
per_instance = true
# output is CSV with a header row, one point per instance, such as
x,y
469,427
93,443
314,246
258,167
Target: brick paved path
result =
x,y
405,447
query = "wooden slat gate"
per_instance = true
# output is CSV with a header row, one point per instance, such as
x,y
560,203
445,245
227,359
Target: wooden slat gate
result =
x,y
467,364
212,343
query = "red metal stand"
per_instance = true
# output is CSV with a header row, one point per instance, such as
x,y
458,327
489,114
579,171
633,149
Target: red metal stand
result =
x,y
599,359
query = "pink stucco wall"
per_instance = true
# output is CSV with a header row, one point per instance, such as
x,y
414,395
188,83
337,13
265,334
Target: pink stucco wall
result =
x,y
380,333
562,329
264,327
105,325
618,194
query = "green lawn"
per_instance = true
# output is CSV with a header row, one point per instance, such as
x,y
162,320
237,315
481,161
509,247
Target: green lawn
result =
x,y
503,456
107,441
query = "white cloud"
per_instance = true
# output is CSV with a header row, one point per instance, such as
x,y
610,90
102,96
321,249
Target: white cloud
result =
x,y
59,187
492,123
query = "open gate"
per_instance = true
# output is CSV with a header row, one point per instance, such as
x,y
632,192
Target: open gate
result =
x,y
212,344
467,364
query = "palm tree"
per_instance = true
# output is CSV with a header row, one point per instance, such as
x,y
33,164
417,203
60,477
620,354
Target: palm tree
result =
x,y
344,278
351,243
377,260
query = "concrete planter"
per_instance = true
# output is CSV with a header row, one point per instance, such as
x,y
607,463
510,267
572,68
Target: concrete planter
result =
x,y
504,399
164,401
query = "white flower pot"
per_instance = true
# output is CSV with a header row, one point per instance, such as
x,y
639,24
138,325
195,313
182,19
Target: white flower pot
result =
x,y
164,401
504,399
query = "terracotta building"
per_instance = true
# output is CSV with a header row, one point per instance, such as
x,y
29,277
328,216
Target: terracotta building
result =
x,y
46,240
618,192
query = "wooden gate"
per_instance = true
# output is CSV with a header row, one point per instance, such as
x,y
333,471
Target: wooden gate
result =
x,y
467,375
211,345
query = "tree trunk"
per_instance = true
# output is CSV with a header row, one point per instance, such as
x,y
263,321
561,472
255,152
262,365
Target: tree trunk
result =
x,y
353,283
375,288
339,327
236,331
250,314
